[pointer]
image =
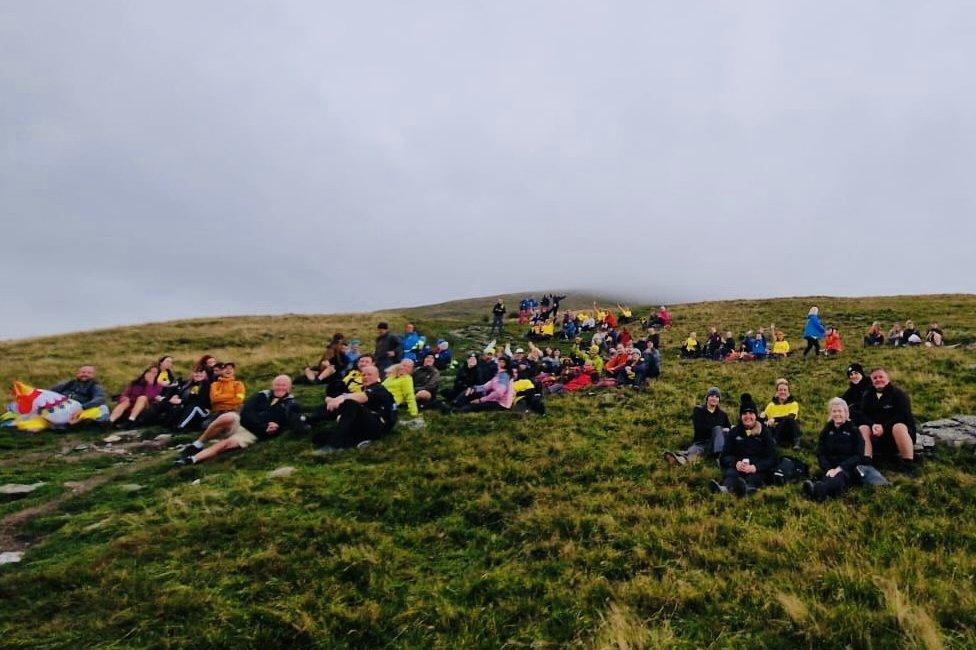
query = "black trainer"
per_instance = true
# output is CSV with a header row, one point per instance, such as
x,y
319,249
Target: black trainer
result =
x,y
807,487
715,486
189,450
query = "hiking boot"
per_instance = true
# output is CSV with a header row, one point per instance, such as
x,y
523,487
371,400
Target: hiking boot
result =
x,y
808,491
717,487
739,487
778,478
189,450
675,459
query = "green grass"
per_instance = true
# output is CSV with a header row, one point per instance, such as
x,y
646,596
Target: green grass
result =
x,y
486,530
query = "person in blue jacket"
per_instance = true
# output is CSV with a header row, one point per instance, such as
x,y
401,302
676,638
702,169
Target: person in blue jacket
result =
x,y
814,331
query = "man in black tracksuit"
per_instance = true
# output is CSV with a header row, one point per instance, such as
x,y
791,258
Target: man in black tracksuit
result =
x,y
888,426
362,417
749,457
840,450
710,424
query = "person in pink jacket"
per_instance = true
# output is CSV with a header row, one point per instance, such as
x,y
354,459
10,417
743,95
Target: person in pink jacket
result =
x,y
495,395
137,396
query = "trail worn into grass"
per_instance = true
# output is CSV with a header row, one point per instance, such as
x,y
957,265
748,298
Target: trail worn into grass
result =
x,y
12,523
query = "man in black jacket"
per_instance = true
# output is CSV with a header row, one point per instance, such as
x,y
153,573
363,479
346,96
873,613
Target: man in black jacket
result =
x,y
711,425
887,424
389,347
264,415
749,457
362,417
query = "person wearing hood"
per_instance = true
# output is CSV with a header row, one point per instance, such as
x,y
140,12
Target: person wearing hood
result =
x,y
856,390
498,394
443,357
813,331
749,456
840,450
710,425
781,415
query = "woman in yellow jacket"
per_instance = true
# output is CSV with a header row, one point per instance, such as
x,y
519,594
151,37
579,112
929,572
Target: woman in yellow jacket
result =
x,y
400,384
781,416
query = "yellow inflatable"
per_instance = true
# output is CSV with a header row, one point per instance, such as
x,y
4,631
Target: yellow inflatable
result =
x,y
35,409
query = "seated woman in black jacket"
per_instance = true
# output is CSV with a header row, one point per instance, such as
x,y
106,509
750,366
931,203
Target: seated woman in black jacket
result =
x,y
840,451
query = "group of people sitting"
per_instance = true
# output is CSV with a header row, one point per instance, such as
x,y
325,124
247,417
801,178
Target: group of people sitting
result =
x,y
753,345
871,422
909,335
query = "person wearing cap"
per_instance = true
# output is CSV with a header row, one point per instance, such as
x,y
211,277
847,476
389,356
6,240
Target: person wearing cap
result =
x,y
389,347
749,456
856,390
840,450
227,392
888,425
781,415
710,424
265,414
443,357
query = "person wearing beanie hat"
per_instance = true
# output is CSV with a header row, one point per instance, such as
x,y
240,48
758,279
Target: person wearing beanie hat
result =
x,y
781,415
839,451
856,390
710,425
749,456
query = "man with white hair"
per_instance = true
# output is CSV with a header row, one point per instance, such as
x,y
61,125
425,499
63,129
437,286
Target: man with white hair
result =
x,y
264,415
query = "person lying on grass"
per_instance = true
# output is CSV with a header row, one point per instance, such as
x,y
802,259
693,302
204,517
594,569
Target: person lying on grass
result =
x,y
264,415
749,456
840,450
83,389
710,425
888,426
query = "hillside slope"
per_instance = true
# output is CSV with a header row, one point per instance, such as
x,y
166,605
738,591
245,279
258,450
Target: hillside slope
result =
x,y
486,529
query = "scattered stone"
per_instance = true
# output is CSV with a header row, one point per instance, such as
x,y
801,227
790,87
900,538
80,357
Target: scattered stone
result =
x,y
415,423
131,487
74,485
924,442
9,557
163,437
195,482
82,447
281,472
956,431
109,449
17,490
112,438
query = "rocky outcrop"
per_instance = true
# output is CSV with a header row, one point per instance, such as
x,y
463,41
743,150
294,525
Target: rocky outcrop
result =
x,y
956,431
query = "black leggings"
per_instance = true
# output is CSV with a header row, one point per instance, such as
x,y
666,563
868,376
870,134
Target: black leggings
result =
x,y
812,344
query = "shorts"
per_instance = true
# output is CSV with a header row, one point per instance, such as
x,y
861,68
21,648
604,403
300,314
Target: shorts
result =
x,y
240,435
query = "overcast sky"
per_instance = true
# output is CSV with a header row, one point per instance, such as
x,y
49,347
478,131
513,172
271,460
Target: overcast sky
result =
x,y
170,159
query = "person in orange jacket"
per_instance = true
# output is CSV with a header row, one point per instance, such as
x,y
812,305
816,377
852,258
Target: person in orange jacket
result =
x,y
832,344
227,393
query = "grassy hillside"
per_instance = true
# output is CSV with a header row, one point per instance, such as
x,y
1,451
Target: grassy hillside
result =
x,y
486,529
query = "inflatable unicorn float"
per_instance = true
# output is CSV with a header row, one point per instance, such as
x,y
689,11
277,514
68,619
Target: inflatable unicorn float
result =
x,y
35,409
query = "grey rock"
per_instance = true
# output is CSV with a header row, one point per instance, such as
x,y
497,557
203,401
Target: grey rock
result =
x,y
130,487
9,557
968,420
281,472
16,490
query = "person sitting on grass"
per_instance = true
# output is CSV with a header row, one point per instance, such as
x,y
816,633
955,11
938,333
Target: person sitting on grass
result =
x,y
727,351
227,392
781,415
895,335
749,456
426,381
84,389
888,426
713,346
209,363
352,353
832,343
189,405
443,356
839,451
934,337
874,335
498,394
361,417
857,388
332,361
710,425
691,349
399,381
140,394
264,415
781,347
389,348
167,376
910,335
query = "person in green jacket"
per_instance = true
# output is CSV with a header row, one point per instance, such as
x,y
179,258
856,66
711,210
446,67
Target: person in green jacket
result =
x,y
400,384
